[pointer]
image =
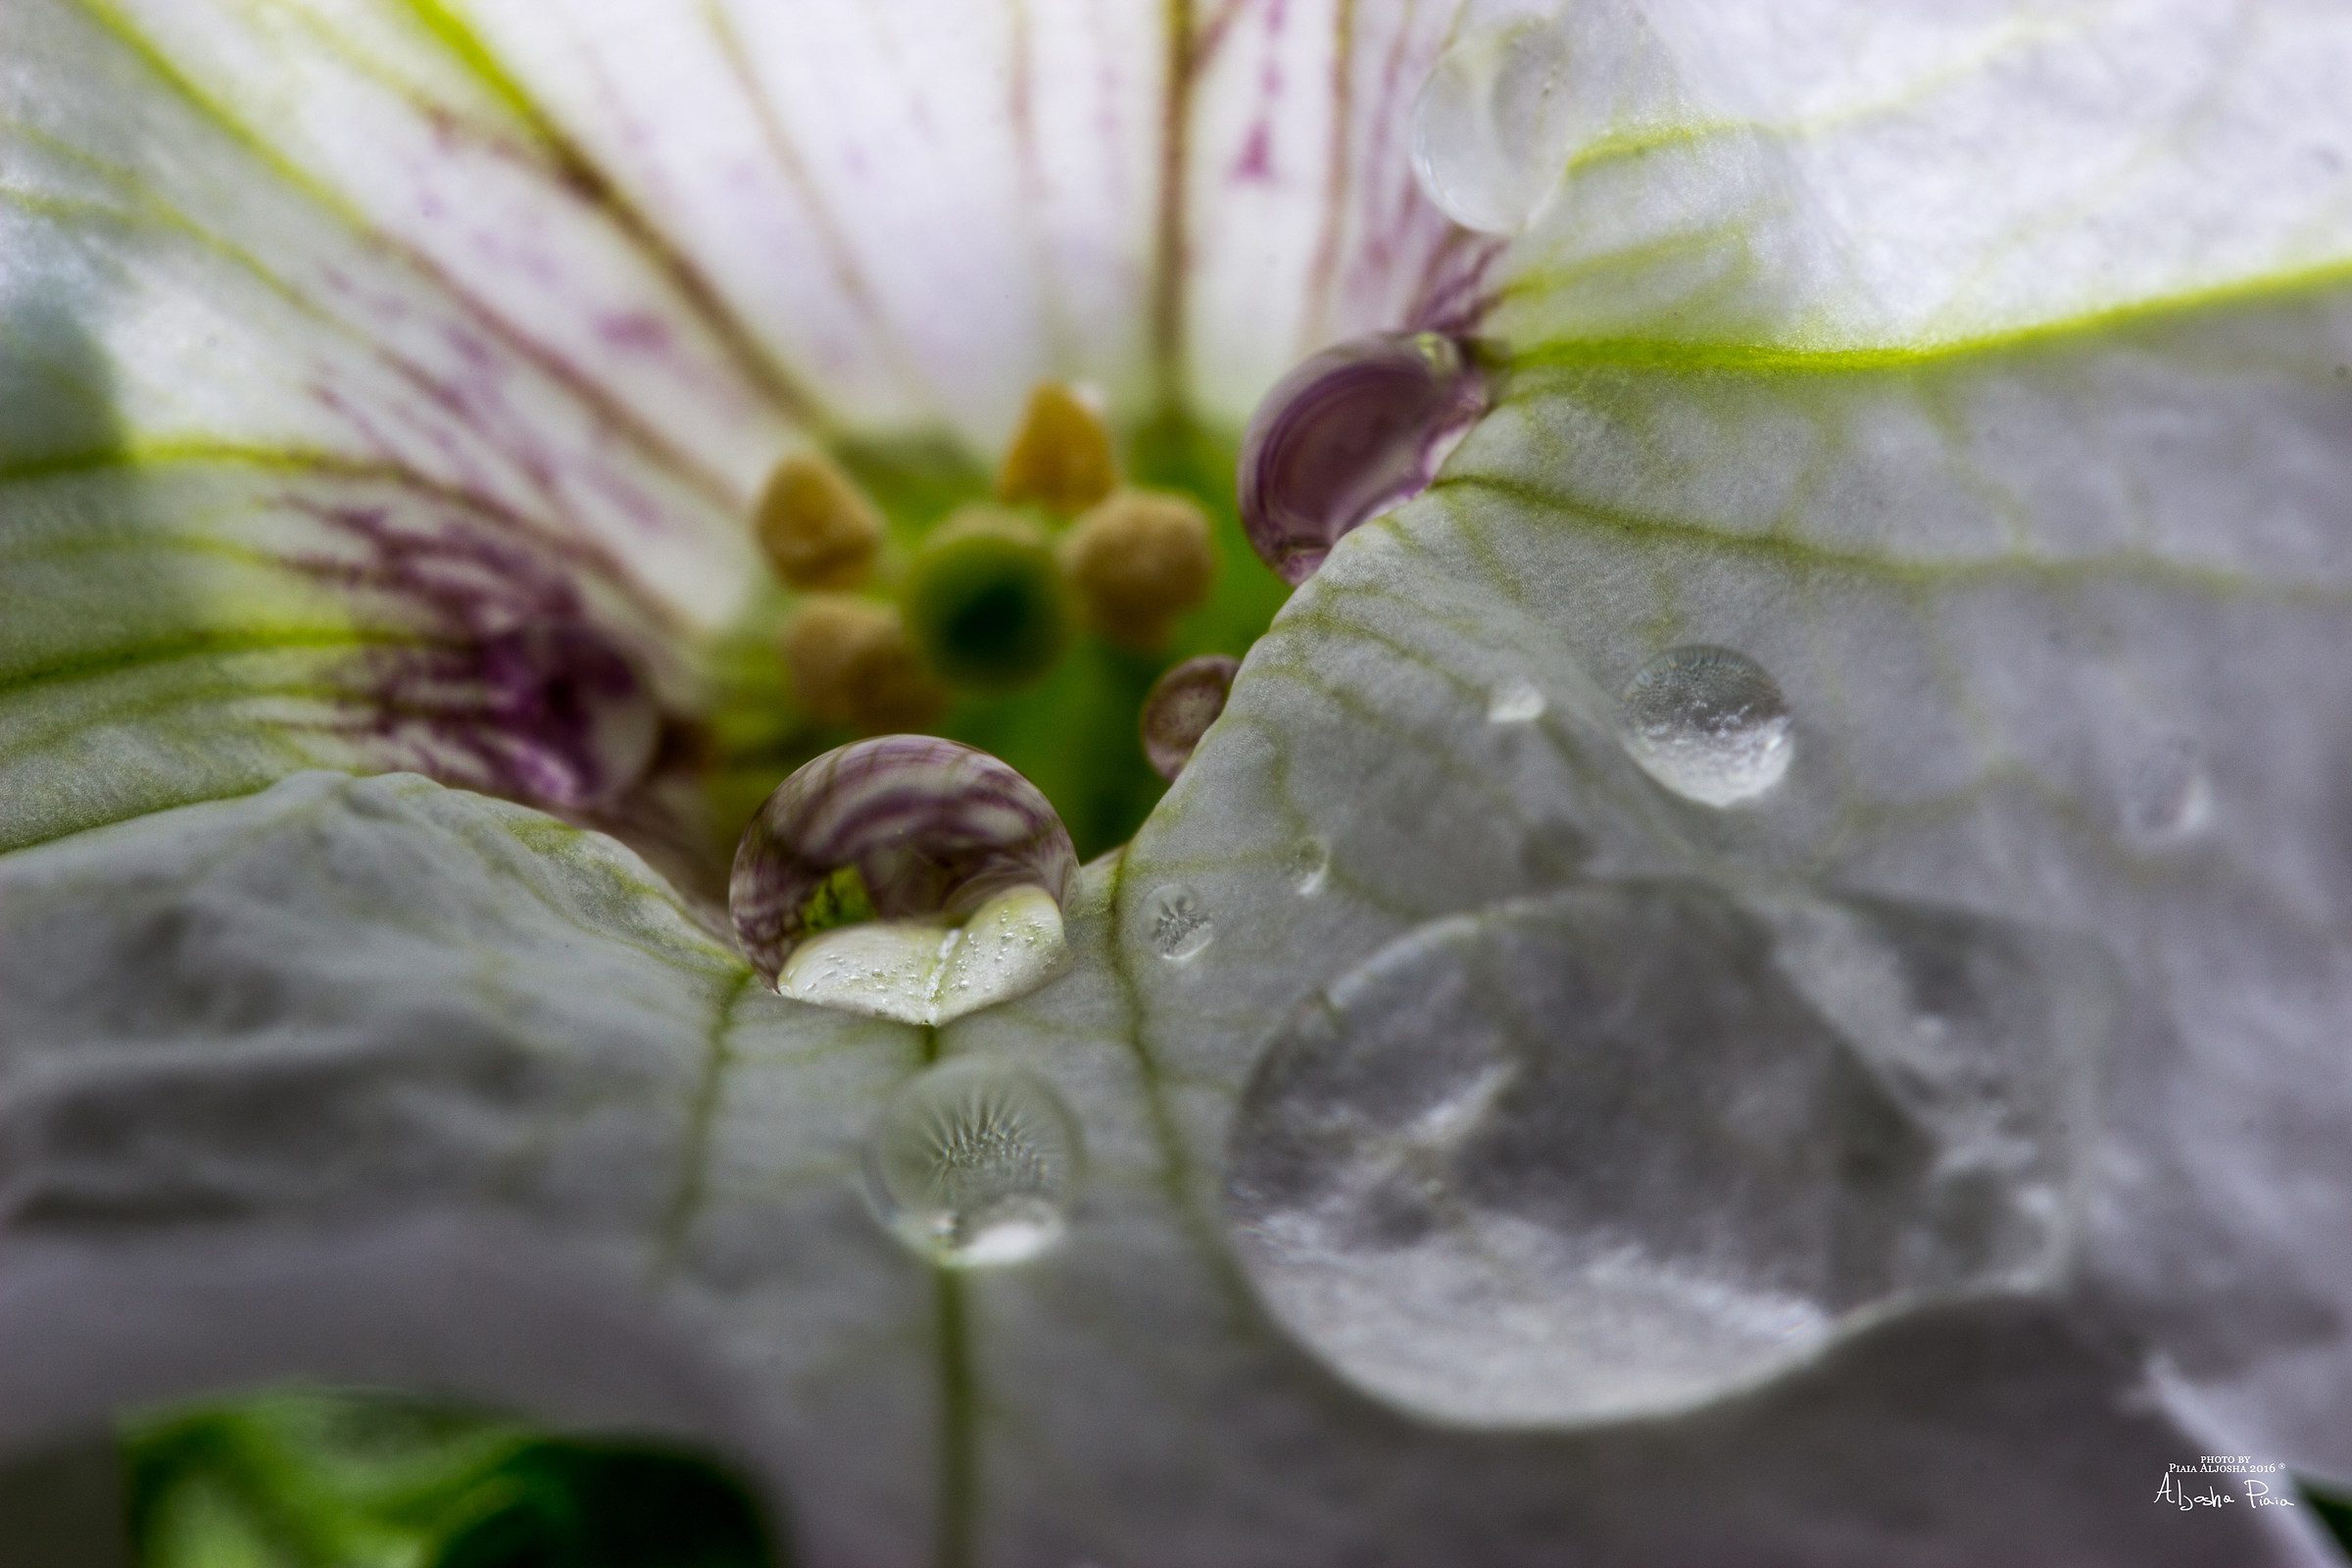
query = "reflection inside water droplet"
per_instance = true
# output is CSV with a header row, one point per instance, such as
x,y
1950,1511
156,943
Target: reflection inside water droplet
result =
x,y
1183,703
1708,723
1491,127
1348,435
1621,1148
1175,924
974,1164
1515,702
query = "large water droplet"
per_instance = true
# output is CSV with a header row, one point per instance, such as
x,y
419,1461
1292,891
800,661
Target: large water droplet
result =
x,y
1175,921
974,1164
1349,434
908,877
1625,1147
1515,702
1182,704
1708,723
1493,125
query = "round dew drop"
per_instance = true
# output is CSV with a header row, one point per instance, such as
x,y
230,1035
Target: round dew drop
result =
x,y
1708,723
1175,924
975,1165
1493,125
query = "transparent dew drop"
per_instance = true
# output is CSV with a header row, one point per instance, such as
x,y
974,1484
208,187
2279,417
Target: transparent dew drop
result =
x,y
955,866
2169,795
975,1165
1493,125
1182,704
1175,922
571,721
1708,723
1518,1169
1309,864
1515,702
1349,434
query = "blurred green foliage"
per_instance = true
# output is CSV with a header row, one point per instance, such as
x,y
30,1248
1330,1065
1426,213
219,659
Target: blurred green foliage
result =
x,y
335,1480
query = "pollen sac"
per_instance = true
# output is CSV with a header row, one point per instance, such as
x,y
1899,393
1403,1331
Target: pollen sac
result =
x,y
852,663
985,601
1138,561
1062,458
1349,435
1182,704
906,877
570,720
819,529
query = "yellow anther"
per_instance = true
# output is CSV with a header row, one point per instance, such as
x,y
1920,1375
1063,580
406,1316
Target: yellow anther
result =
x,y
1061,460
818,527
852,663
1138,561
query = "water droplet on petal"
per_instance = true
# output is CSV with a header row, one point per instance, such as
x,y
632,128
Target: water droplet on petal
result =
x,y
1310,863
1515,702
1347,435
1493,125
1708,723
1627,1147
975,1165
1182,704
1175,922
2169,795
570,719
961,862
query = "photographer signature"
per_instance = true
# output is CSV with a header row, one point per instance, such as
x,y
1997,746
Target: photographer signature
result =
x,y
2175,1491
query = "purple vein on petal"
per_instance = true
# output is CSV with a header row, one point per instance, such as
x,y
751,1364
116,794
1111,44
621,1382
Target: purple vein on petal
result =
x,y
840,256
1336,176
1185,55
578,171
527,350
1021,107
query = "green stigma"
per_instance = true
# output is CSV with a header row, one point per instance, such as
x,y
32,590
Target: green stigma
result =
x,y
985,603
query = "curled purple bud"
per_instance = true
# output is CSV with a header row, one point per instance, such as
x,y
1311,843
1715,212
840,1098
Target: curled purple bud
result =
x,y
565,717
908,877
1182,704
1347,435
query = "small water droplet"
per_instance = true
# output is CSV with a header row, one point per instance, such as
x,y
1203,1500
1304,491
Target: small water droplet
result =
x,y
1515,702
1708,723
959,869
974,1164
1310,861
2169,795
1492,127
1175,922
1183,703
1347,435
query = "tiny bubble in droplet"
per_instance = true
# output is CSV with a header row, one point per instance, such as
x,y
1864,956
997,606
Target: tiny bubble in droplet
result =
x,y
1708,723
1175,922
974,1164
